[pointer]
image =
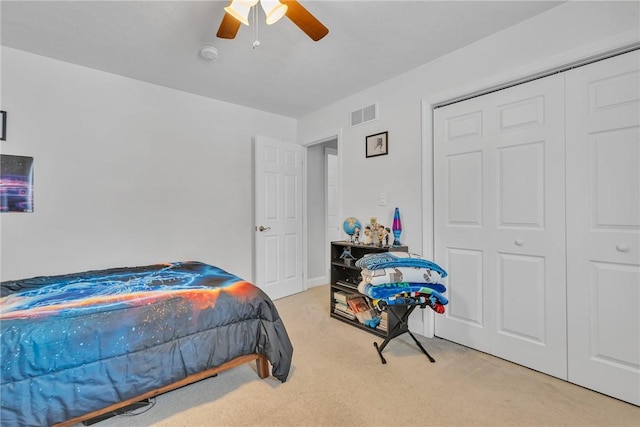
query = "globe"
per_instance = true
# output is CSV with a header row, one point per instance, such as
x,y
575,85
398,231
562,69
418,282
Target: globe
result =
x,y
349,225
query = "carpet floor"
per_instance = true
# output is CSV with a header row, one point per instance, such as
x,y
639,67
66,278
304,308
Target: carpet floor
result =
x,y
337,380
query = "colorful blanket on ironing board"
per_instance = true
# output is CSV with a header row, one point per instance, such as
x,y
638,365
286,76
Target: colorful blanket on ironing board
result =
x,y
402,278
380,260
391,290
381,276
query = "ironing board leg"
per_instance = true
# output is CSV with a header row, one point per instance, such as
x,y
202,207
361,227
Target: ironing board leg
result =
x,y
431,359
400,328
379,349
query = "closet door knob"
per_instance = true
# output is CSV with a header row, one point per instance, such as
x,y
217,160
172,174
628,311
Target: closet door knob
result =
x,y
519,242
622,248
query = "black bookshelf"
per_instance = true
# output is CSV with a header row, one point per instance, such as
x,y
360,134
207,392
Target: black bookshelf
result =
x,y
345,277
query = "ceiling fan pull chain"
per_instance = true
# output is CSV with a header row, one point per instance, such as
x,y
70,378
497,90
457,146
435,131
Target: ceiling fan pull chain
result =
x,y
256,42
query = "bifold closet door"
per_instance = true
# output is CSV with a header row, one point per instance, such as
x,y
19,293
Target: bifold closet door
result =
x,y
499,223
603,227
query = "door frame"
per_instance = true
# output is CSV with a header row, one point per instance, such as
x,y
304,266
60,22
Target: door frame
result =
x,y
327,240
321,140
575,57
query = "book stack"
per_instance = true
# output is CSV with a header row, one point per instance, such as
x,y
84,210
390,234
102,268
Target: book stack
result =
x,y
341,305
360,306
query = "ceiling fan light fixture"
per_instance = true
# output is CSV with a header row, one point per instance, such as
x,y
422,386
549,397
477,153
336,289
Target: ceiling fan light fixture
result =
x,y
274,10
239,9
237,13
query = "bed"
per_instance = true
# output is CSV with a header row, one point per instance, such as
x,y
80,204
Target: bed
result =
x,y
80,345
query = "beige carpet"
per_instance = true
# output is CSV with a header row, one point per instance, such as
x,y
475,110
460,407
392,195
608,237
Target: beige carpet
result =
x,y
337,380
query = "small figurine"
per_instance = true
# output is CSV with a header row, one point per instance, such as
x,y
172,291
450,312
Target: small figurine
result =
x,y
367,235
380,234
346,256
373,231
355,238
387,232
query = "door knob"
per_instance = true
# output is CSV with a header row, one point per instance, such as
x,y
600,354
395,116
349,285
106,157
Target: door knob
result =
x,y
263,228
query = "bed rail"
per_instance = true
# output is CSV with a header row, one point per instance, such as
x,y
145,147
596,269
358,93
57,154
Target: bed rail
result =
x,y
262,366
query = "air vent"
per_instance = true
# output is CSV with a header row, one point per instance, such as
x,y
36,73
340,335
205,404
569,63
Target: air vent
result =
x,y
364,115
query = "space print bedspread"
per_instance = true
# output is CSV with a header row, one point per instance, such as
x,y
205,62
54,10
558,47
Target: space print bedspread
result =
x,y
77,343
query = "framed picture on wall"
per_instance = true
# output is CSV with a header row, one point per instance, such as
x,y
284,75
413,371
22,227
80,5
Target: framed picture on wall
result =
x,y
3,123
377,144
16,183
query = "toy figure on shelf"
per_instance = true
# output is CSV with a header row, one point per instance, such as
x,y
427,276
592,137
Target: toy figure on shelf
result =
x,y
373,231
355,238
387,231
380,234
367,236
346,256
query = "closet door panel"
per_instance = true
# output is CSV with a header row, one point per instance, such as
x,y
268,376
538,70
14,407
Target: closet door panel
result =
x,y
529,218
603,234
521,186
611,279
499,223
614,156
468,305
464,188
461,196
521,292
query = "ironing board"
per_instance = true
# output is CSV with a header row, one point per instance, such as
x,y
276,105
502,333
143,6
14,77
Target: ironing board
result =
x,y
401,327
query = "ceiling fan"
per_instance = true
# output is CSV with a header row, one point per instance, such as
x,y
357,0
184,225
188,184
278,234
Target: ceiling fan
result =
x,y
237,12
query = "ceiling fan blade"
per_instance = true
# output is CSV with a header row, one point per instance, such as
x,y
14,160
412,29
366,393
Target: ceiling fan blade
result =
x,y
228,27
305,20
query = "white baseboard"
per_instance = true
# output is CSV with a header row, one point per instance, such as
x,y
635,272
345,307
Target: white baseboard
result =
x,y
318,281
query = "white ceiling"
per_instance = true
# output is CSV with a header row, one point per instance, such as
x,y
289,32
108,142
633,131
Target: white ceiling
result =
x,y
288,74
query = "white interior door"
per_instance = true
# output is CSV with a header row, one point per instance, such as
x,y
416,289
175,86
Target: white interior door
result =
x,y
499,223
603,235
279,218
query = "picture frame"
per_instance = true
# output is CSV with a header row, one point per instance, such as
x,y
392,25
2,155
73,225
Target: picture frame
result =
x,y
16,180
377,144
3,123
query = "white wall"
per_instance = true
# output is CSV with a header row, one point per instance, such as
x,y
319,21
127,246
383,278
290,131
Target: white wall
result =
x,y
405,173
126,173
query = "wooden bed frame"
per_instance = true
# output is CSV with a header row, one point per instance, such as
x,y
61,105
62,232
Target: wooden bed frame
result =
x,y
262,365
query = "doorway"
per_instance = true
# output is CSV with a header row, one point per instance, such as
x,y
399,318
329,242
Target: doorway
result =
x,y
323,207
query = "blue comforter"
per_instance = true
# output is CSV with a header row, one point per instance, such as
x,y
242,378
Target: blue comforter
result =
x,y
77,343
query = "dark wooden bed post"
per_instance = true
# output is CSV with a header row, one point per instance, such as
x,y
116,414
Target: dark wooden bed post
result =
x,y
262,365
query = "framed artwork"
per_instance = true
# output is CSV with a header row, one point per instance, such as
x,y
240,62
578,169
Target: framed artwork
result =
x,y
16,183
3,123
377,145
